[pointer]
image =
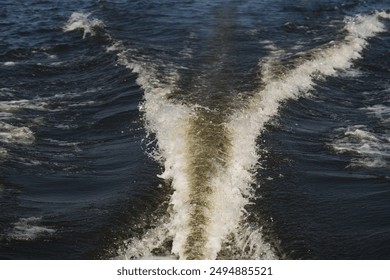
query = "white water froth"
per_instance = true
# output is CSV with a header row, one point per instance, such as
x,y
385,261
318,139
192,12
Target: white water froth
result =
x,y
381,111
17,105
247,124
23,135
12,134
9,63
15,135
169,122
54,103
83,21
3,154
29,229
233,184
368,149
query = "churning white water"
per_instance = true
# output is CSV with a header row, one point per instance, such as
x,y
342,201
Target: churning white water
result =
x,y
209,160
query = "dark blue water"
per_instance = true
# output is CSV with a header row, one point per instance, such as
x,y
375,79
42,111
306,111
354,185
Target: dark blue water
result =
x,y
83,136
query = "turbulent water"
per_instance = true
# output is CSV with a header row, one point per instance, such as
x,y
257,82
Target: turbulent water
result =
x,y
194,129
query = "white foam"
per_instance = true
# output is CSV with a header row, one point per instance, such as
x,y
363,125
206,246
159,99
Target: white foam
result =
x,y
247,124
300,81
381,111
61,101
59,143
11,134
84,22
169,121
367,148
351,73
31,162
17,105
9,63
15,135
29,229
3,154
64,126
232,184
142,248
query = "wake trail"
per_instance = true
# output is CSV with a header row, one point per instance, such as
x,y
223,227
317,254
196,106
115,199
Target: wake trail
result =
x,y
209,160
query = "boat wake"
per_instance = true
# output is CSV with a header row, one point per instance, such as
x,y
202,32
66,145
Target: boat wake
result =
x,y
210,157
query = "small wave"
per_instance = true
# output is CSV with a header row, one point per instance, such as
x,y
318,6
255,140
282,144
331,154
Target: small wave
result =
x,y
380,111
351,73
55,103
65,126
6,92
367,148
5,115
84,22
